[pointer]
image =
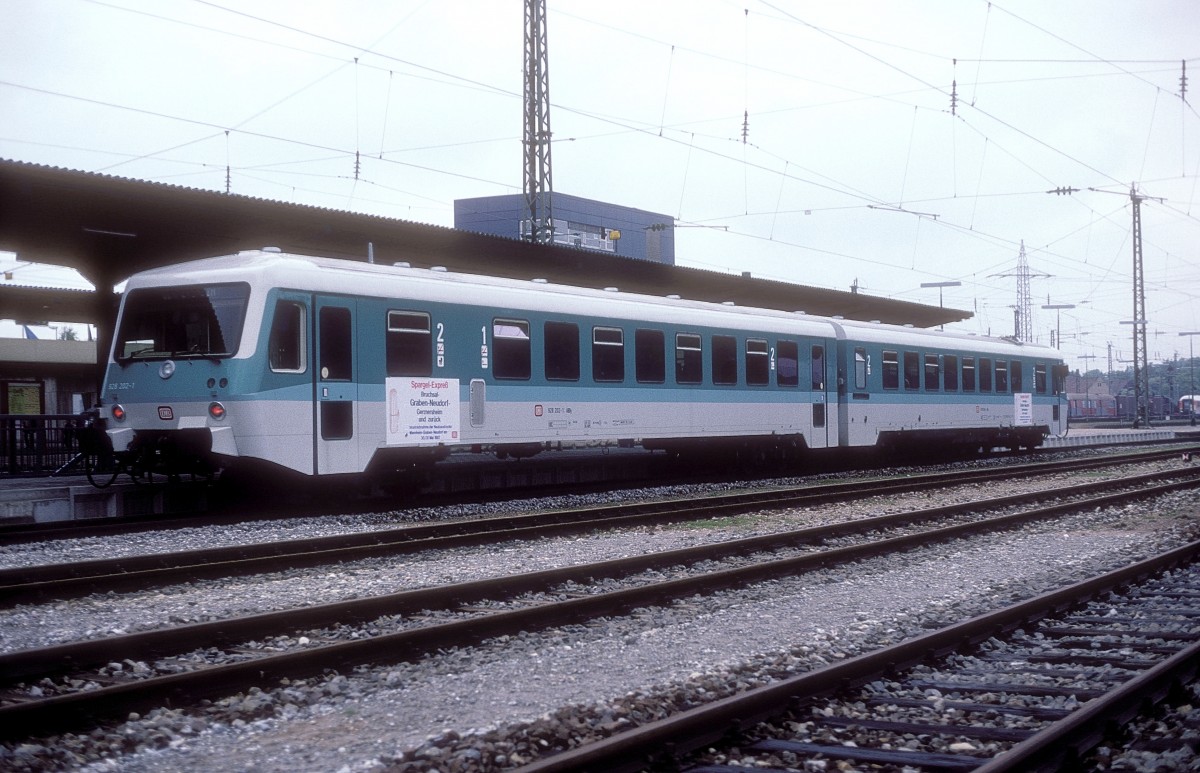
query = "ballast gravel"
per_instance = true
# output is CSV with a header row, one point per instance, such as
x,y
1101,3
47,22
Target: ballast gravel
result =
x,y
498,705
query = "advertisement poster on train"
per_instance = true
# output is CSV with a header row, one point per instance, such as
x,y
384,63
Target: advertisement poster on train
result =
x,y
1023,409
422,410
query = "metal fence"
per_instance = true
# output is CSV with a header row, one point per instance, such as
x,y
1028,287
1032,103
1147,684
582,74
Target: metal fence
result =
x,y
38,445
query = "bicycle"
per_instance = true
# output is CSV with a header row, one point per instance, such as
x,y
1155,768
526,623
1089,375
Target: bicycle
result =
x,y
101,464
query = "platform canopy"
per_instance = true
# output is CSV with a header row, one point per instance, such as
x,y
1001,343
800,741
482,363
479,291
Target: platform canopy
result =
x,y
108,228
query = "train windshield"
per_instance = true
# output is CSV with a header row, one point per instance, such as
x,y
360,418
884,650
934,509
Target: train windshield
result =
x,y
179,322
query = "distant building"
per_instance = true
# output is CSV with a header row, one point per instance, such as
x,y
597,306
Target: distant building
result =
x,y
583,223
46,376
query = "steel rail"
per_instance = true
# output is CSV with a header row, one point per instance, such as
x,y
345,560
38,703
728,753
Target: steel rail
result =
x,y
58,713
11,534
58,581
687,731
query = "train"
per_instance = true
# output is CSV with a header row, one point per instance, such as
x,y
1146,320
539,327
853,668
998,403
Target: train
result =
x,y
1082,405
323,367
1187,405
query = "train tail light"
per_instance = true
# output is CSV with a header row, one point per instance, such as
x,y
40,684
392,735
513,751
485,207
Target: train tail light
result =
x,y
216,410
118,412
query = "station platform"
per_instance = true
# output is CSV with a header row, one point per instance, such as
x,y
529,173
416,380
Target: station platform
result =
x,y
40,500
25,500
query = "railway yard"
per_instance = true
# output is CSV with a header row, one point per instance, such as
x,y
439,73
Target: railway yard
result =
x,y
597,630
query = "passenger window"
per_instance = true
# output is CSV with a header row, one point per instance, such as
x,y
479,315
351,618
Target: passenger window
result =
x,y
1039,377
608,354
985,374
787,365
912,370
860,368
409,344
950,372
337,344
650,355
1015,375
891,370
560,346
688,359
287,344
932,373
758,362
1002,376
511,348
818,368
724,360
968,373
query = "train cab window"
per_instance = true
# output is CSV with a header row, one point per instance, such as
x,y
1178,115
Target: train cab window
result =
x,y
891,370
950,373
336,344
560,345
724,360
1015,376
510,348
758,362
860,368
912,370
650,356
409,344
933,375
287,345
1002,376
787,364
608,354
688,359
968,374
1039,377
985,374
818,368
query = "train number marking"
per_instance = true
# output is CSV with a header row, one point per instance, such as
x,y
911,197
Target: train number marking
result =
x,y
441,345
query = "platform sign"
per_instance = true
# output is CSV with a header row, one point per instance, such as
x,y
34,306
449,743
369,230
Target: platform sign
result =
x,y
1023,409
422,410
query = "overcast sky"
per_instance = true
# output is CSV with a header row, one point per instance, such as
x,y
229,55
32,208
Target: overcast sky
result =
x,y
879,143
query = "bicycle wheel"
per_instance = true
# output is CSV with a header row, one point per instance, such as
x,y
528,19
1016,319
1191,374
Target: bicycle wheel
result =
x,y
100,476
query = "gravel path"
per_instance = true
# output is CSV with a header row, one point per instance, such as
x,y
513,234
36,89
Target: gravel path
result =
x,y
491,707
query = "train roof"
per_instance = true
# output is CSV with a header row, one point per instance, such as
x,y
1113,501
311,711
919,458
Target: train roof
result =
x,y
308,273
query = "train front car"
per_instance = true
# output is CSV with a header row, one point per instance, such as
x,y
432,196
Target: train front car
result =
x,y
172,368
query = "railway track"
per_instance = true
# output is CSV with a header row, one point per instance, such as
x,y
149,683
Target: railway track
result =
x,y
538,481
42,696
1031,687
66,580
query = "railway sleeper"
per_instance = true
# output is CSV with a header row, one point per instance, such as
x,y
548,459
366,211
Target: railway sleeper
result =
x,y
1015,735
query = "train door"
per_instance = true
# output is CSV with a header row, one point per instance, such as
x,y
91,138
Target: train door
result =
x,y
335,397
824,395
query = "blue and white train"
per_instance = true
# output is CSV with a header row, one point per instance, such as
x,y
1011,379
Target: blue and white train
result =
x,y
332,367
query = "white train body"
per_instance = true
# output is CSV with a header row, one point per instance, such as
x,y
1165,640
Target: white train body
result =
x,y
324,366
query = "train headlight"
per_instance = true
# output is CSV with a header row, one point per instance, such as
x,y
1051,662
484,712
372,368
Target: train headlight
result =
x,y
216,410
118,412
167,369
